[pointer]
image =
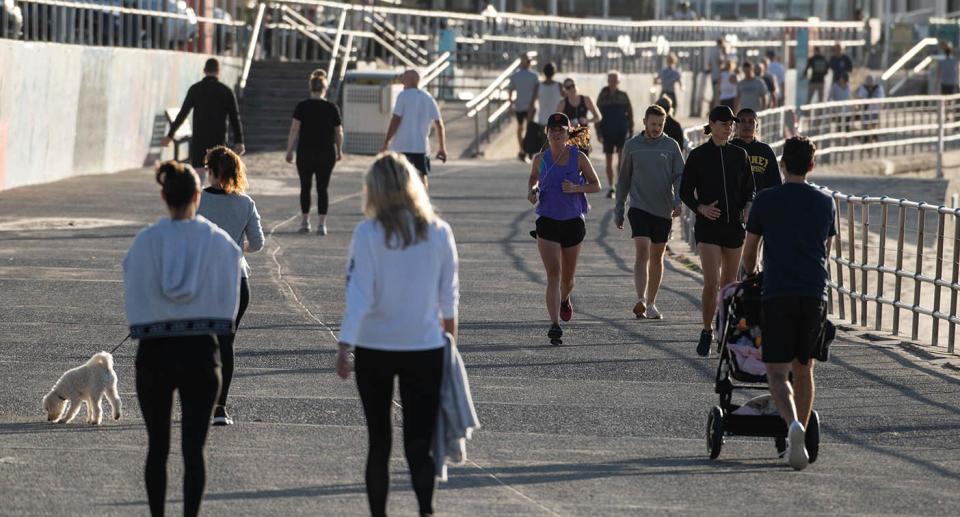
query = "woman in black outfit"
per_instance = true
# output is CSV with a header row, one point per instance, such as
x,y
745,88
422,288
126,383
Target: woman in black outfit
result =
x,y
718,185
320,147
575,106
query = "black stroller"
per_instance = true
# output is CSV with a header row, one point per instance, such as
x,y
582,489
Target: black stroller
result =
x,y
737,323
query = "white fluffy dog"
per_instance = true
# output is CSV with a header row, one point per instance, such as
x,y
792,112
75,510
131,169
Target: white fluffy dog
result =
x,y
87,383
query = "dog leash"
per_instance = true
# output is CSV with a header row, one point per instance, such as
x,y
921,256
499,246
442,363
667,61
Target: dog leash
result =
x,y
121,344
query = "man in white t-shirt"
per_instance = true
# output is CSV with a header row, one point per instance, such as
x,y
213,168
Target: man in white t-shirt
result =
x,y
413,112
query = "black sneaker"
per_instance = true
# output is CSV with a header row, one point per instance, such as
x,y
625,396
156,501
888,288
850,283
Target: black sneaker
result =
x,y
221,417
706,339
555,333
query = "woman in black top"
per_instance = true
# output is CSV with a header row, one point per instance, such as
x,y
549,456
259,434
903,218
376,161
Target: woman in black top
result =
x,y
718,185
575,106
320,146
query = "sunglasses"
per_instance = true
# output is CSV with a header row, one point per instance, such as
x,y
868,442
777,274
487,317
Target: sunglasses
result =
x,y
569,86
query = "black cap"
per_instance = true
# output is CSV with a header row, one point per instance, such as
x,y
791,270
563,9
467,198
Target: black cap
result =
x,y
558,120
723,114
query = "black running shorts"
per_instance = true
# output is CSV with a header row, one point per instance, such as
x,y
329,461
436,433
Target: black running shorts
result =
x,y
612,145
568,233
420,161
521,116
790,327
721,234
645,224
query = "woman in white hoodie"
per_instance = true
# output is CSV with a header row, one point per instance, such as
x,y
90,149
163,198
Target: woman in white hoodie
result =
x,y
181,288
402,295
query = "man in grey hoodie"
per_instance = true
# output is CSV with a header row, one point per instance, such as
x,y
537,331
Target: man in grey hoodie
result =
x,y
650,173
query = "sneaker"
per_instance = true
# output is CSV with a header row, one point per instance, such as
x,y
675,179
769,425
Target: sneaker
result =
x,y
652,313
304,227
640,309
796,449
566,309
555,331
706,339
321,229
221,417
522,156
612,194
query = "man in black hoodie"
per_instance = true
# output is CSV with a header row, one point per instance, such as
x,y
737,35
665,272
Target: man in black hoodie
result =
x,y
212,102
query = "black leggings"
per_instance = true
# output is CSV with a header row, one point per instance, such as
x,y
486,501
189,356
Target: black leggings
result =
x,y
321,166
226,343
420,375
190,366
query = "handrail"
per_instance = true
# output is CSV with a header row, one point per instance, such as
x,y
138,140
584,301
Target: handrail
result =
x,y
907,56
132,10
496,84
433,70
252,47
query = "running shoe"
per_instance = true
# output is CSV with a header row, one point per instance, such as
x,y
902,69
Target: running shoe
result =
x,y
652,313
304,226
640,309
554,334
221,417
321,229
796,450
706,339
522,156
566,309
612,194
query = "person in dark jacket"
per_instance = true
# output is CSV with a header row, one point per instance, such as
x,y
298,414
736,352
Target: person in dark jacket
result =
x,y
212,103
671,127
763,161
718,185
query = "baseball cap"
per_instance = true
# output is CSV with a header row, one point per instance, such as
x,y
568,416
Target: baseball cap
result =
x,y
558,120
723,114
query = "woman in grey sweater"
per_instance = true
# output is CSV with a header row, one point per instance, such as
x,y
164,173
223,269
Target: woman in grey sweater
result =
x,y
224,204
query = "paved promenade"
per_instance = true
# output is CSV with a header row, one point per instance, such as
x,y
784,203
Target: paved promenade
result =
x,y
611,423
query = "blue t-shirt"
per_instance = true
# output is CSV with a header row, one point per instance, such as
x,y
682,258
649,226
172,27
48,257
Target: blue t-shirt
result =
x,y
795,221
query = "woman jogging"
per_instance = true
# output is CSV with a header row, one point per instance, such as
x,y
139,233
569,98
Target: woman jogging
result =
x,y
560,177
320,146
181,280
577,107
718,185
402,295
224,204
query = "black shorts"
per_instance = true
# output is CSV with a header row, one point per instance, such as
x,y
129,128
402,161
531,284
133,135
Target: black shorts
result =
x,y
614,144
790,326
568,233
645,224
419,160
521,116
722,234
198,154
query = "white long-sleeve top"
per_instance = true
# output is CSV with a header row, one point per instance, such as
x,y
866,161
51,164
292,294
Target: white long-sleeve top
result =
x,y
396,296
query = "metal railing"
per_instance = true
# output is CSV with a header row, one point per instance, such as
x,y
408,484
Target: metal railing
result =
x,y
152,24
876,275
901,126
481,106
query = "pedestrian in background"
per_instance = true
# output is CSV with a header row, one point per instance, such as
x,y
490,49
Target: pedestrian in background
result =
x,y
840,91
317,131
717,184
650,177
751,90
763,161
817,68
523,95
840,63
577,107
670,79
794,290
777,70
181,288
415,110
212,103
616,123
559,179
728,85
671,127
225,204
402,296
947,72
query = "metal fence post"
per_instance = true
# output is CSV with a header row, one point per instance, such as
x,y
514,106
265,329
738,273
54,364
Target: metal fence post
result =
x,y
864,236
956,273
881,252
898,281
852,254
941,115
941,220
921,220
838,241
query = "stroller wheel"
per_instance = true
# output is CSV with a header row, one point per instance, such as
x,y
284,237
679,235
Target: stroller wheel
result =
x,y
714,432
812,438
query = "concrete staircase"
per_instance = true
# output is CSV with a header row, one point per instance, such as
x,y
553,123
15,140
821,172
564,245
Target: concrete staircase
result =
x,y
266,109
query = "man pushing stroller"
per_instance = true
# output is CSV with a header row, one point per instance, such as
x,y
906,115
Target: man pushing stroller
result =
x,y
796,222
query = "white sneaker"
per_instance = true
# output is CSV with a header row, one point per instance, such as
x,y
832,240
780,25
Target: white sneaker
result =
x,y
640,308
796,447
304,226
652,312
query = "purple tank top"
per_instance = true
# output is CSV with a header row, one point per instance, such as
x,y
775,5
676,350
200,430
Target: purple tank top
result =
x,y
554,203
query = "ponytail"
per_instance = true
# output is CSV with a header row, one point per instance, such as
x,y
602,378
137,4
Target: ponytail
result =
x,y
179,183
229,170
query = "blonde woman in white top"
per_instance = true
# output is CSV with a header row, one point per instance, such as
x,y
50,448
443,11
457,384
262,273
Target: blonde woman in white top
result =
x,y
402,296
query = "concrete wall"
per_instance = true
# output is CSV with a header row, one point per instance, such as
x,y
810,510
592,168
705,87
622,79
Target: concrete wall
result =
x,y
69,110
